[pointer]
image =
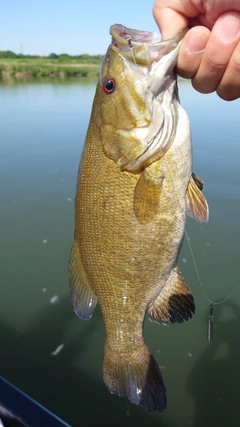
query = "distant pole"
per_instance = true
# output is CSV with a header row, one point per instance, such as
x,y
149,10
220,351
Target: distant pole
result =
x,y
21,48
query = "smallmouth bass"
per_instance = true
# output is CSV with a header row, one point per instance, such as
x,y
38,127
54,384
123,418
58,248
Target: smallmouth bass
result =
x,y
135,187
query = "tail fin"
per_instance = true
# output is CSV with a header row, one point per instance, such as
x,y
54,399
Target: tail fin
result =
x,y
137,376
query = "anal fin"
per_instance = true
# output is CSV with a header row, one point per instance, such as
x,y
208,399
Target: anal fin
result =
x,y
175,302
196,204
84,299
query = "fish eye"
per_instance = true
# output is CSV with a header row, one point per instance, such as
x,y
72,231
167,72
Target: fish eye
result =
x,y
108,86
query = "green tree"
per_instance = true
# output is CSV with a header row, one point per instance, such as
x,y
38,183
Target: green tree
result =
x,y
53,56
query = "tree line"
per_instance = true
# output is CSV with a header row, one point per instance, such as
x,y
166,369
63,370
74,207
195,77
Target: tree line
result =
x,y
83,57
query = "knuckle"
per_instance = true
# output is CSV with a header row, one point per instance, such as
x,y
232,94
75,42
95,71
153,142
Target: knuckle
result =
x,y
235,64
214,65
209,74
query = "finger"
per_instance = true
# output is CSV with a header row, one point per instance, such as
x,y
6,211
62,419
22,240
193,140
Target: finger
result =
x,y
222,41
229,86
170,22
173,15
191,51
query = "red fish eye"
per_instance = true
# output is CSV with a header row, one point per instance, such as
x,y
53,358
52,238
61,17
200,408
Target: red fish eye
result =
x,y
108,86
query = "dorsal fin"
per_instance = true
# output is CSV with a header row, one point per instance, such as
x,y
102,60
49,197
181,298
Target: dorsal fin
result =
x,y
196,204
198,181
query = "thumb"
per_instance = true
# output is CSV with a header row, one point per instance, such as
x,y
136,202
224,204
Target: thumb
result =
x,y
169,21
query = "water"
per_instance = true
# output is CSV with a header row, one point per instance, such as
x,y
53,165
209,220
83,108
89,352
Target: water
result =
x,y
42,130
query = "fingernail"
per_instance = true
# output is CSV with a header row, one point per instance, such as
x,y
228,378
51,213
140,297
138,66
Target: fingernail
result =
x,y
228,27
196,43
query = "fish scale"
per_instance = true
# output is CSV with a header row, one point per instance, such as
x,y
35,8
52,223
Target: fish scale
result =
x,y
135,188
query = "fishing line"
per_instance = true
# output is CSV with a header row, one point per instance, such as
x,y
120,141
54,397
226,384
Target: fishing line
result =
x,y
212,303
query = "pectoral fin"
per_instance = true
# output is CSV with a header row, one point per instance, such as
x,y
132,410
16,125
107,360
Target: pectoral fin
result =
x,y
196,204
84,299
175,302
147,194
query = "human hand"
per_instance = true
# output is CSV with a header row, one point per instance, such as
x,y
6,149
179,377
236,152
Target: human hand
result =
x,y
210,51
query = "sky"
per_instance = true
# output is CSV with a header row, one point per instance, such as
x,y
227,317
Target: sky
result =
x,y
68,26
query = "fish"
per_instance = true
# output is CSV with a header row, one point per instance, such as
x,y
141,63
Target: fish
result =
x,y
135,187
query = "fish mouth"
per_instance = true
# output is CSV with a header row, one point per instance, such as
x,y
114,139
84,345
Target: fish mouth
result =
x,y
148,46
122,35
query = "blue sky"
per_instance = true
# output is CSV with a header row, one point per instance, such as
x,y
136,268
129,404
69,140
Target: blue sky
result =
x,y
68,26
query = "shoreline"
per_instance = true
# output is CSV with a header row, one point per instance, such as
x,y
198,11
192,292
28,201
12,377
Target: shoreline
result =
x,y
22,69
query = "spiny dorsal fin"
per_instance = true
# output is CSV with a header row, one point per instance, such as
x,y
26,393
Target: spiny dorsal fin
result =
x,y
198,181
84,299
196,204
146,200
174,303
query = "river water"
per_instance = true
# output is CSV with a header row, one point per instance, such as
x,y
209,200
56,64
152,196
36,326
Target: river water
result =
x,y
42,130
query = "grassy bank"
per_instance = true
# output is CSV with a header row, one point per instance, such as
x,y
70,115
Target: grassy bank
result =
x,y
53,66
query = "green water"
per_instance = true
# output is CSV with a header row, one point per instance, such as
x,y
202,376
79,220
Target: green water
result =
x,y
42,130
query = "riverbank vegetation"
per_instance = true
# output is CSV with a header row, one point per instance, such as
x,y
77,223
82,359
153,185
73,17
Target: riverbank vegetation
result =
x,y
61,66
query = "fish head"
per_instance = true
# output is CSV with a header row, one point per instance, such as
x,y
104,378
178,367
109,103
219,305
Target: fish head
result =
x,y
137,86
